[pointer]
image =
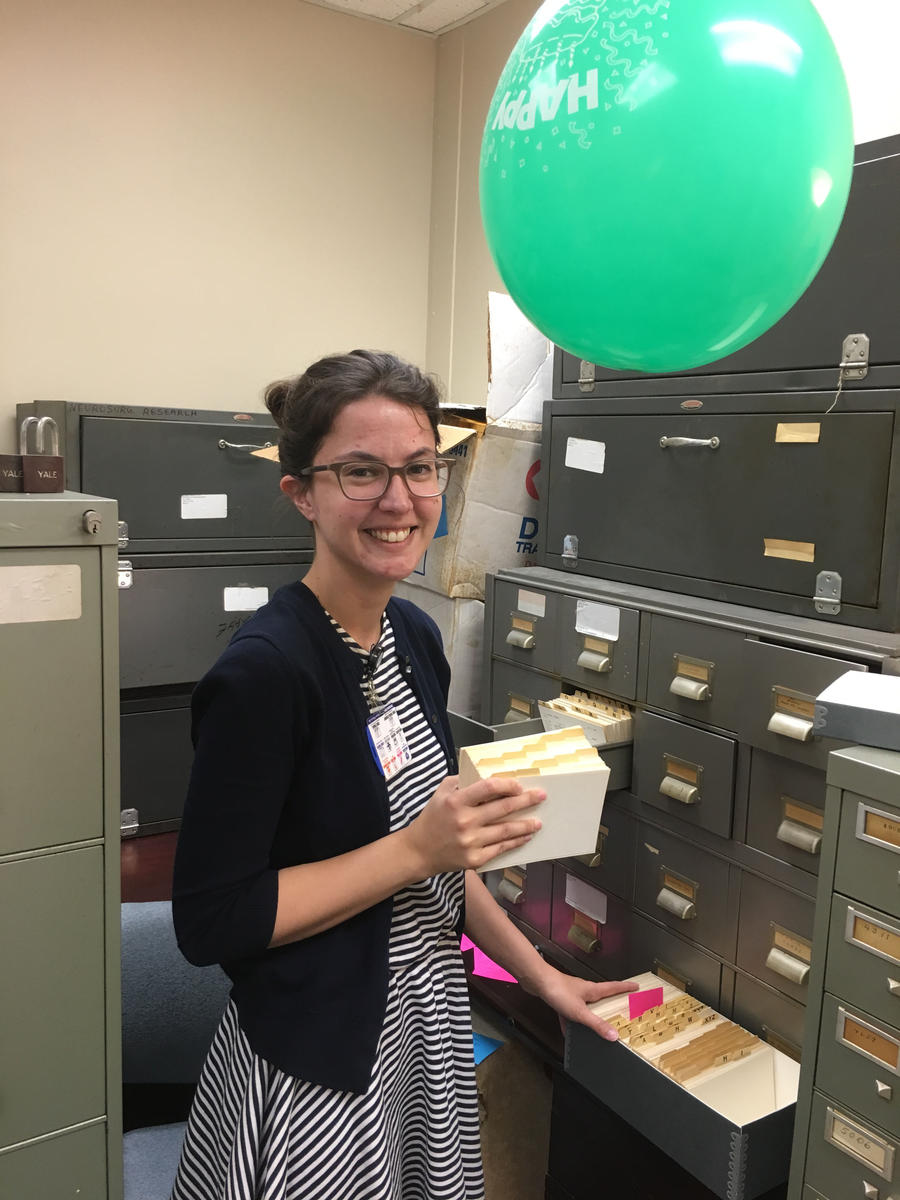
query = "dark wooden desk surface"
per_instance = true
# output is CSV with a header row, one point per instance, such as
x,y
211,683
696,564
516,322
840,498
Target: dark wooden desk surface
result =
x,y
147,867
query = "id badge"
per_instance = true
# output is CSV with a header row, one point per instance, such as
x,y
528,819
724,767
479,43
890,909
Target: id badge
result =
x,y
388,741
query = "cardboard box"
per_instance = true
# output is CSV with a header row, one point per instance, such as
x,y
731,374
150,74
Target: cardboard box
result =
x,y
860,707
570,814
731,1129
514,1100
520,375
490,512
461,623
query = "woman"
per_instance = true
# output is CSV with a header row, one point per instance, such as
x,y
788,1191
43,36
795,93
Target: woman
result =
x,y
326,854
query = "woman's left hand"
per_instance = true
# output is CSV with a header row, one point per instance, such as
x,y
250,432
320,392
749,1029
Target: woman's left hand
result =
x,y
570,997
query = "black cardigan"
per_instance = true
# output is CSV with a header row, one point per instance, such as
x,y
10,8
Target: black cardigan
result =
x,y
283,774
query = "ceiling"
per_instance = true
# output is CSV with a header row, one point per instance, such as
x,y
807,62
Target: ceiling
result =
x,y
428,16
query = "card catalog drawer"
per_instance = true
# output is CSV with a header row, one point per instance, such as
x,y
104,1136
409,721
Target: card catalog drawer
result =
x,y
526,626
611,866
846,1153
864,958
780,686
685,771
686,888
785,816
516,691
868,858
590,924
653,948
525,891
775,931
599,646
695,671
859,1060
771,1015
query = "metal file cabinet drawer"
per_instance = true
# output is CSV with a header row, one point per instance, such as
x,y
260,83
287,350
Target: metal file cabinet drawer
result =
x,y
769,1014
525,891
156,760
864,958
599,646
695,671
780,686
175,621
516,691
786,809
868,858
859,1060
686,888
653,948
775,931
611,866
685,771
590,924
526,626
845,1153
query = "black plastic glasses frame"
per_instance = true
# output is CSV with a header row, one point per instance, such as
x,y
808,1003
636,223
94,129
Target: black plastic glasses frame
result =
x,y
337,468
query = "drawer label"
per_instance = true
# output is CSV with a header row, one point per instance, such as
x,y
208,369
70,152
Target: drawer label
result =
x,y
598,620
520,704
868,1040
872,936
797,946
859,1143
46,592
592,643
795,811
521,623
879,827
797,431
204,508
692,668
585,455
682,886
797,706
531,602
690,772
797,551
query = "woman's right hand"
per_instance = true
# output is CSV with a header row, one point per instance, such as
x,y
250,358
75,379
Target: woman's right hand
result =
x,y
461,828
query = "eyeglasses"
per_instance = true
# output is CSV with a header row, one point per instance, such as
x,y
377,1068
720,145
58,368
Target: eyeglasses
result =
x,y
370,480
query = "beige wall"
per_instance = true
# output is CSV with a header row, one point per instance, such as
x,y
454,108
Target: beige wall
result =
x,y
470,60
199,195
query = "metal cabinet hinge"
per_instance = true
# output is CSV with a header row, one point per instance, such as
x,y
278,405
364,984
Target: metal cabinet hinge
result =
x,y
123,534
855,356
128,822
126,574
570,551
828,593
587,376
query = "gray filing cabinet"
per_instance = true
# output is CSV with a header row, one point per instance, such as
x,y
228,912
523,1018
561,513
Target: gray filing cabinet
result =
x,y
205,537
847,1132
60,1061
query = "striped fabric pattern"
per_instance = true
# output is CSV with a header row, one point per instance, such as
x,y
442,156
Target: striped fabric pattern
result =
x,y
256,1133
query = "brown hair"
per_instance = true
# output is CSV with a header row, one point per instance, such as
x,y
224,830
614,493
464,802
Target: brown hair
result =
x,y
305,406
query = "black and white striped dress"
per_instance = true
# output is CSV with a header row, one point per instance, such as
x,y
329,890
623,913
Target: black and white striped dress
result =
x,y
256,1133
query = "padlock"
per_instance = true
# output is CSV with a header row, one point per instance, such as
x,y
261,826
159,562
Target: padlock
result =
x,y
41,471
10,472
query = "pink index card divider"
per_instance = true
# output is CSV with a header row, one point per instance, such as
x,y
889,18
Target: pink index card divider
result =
x,y
639,1002
485,966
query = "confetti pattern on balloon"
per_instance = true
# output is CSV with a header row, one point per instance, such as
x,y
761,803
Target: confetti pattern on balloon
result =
x,y
660,181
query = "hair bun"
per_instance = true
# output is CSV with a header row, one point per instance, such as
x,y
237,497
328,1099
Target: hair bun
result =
x,y
276,398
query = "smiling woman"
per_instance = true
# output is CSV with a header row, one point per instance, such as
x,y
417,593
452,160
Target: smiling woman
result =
x,y
325,847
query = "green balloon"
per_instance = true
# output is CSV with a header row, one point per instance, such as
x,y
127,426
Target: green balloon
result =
x,y
661,180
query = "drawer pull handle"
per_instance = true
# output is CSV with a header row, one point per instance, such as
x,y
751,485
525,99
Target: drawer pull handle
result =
x,y
680,789
712,442
515,714
792,833
884,1091
592,660
787,966
582,939
518,637
510,891
792,727
678,906
690,689
242,446
893,986
870,1191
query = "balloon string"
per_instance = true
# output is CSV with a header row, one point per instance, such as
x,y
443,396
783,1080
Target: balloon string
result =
x,y
837,394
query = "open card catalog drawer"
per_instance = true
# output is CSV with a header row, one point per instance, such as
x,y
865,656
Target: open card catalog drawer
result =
x,y
725,1113
567,768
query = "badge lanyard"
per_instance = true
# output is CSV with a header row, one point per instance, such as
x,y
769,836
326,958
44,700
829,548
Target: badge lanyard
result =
x,y
385,732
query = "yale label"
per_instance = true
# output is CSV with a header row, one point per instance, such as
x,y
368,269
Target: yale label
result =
x,y
876,937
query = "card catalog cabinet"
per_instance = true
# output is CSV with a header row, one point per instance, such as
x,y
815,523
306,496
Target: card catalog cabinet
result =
x,y
205,537
60,1008
847,1133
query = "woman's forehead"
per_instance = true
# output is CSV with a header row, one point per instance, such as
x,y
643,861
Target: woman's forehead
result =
x,y
379,419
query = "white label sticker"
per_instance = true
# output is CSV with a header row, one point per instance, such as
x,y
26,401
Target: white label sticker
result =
x,y
598,620
534,603
586,899
244,599
204,508
49,592
582,455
